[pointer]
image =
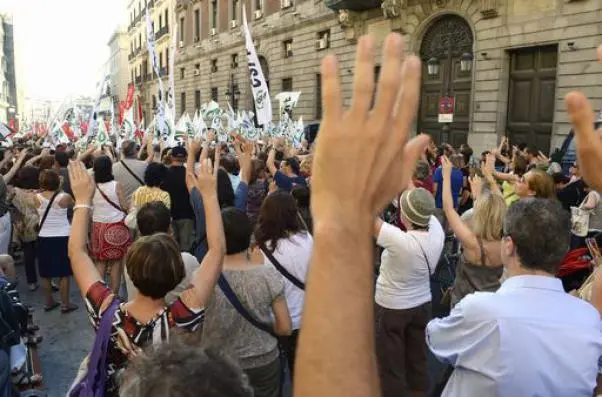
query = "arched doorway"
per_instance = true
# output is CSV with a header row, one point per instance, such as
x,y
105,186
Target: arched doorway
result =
x,y
445,44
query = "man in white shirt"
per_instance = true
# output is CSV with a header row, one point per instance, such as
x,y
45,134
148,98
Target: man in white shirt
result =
x,y
403,293
529,338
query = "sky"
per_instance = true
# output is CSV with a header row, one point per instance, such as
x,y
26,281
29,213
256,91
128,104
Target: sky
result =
x,y
61,45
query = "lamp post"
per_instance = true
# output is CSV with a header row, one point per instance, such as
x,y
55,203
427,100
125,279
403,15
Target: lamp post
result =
x,y
233,93
466,62
432,66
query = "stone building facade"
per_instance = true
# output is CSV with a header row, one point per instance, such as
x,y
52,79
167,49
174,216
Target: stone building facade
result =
x,y
140,65
507,64
9,106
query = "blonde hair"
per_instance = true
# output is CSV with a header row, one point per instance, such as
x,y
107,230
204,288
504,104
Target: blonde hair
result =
x,y
488,218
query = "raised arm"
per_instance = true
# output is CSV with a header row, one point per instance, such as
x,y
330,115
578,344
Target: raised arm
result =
x,y
211,266
195,147
462,232
150,149
334,333
83,188
10,174
271,162
37,158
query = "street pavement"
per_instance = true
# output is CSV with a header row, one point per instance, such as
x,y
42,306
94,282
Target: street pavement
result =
x,y
67,337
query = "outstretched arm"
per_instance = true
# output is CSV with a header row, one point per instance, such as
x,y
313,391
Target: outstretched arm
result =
x,y
83,188
336,356
463,232
211,266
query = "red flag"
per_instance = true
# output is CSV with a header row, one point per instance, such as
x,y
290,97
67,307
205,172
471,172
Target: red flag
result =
x,y
122,109
129,101
68,131
139,110
84,127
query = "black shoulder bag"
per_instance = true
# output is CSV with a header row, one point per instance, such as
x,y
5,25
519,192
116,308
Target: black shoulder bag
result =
x,y
296,282
234,301
47,210
128,169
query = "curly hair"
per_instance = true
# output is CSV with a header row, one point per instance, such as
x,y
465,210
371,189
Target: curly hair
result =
x,y
176,369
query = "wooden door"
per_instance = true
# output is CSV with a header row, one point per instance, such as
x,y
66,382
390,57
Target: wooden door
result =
x,y
446,40
531,97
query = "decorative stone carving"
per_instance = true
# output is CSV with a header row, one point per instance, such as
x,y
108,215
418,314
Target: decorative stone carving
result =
x,y
350,22
392,8
489,8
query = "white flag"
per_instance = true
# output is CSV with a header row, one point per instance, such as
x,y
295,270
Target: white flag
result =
x,y
4,130
261,94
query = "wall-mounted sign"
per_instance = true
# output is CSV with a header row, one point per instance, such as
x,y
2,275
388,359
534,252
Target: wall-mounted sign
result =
x,y
446,109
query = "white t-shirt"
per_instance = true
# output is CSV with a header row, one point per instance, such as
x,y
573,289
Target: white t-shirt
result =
x,y
190,266
294,254
403,282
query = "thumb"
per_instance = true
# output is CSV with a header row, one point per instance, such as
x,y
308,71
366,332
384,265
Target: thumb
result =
x,y
580,113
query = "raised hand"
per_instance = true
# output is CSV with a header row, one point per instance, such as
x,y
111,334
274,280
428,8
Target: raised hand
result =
x,y
82,185
363,158
206,179
446,166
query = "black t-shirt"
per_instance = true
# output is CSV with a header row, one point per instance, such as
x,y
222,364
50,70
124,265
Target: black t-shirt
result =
x,y
175,185
572,194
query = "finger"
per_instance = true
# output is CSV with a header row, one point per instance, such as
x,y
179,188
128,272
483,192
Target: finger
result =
x,y
331,89
581,114
408,98
411,154
216,162
363,85
390,79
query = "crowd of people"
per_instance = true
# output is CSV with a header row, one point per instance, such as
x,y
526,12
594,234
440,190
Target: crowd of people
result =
x,y
204,271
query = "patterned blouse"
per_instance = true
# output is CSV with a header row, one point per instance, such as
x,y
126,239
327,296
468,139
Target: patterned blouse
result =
x,y
145,194
177,315
26,223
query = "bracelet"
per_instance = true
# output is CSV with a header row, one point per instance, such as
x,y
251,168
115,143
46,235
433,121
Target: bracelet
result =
x,y
82,206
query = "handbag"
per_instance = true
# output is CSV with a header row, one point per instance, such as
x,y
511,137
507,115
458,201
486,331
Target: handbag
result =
x,y
580,219
586,289
92,381
294,280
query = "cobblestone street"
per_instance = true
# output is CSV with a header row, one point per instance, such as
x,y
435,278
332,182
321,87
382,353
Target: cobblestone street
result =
x,y
67,337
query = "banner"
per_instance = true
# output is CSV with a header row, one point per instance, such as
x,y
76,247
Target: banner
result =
x,y
129,100
150,33
94,115
171,91
261,94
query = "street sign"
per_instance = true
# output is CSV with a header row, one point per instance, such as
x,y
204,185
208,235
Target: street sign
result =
x,y
446,109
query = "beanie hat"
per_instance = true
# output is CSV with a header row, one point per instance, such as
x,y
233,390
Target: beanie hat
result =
x,y
417,205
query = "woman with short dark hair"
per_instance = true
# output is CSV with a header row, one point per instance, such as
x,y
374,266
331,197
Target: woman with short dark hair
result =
x,y
155,266
153,179
53,236
110,238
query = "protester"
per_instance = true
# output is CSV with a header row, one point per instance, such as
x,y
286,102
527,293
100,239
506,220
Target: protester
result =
x,y
27,224
288,176
262,290
457,182
155,266
403,295
154,218
258,189
480,266
181,210
366,147
110,238
547,325
154,177
176,370
53,236
535,183
129,172
286,245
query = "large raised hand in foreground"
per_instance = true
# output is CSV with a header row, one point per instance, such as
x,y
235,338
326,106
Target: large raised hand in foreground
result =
x,y
362,160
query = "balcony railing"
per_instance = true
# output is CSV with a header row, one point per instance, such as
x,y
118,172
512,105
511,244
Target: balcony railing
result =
x,y
138,79
147,77
163,72
137,51
162,32
353,5
131,56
